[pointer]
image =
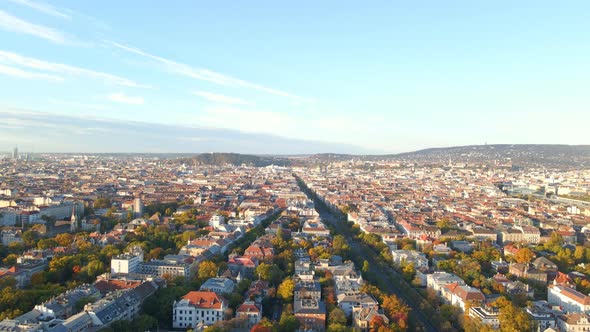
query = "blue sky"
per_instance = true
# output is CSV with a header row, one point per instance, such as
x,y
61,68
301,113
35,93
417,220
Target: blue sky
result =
x,y
384,76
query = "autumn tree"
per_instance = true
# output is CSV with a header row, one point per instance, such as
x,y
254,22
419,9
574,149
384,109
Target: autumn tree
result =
x,y
377,323
396,310
207,269
286,289
512,318
64,239
444,224
263,326
524,255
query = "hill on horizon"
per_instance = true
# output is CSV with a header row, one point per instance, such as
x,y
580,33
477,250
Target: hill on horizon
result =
x,y
526,155
235,159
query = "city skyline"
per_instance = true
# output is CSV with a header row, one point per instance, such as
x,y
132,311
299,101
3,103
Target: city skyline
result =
x,y
332,77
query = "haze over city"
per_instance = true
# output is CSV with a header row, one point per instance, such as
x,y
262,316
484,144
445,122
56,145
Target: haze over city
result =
x,y
330,76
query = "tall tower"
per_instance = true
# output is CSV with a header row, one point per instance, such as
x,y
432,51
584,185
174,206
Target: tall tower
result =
x,y
74,219
15,153
138,207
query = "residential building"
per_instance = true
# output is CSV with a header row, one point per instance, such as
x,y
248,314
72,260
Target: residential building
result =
x,y
250,312
198,307
570,300
128,262
348,301
218,285
438,280
573,322
363,317
311,314
486,315
409,256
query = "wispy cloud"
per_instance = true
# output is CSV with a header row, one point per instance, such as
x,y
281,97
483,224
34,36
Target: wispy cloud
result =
x,y
15,24
205,74
220,98
63,69
125,99
16,72
43,8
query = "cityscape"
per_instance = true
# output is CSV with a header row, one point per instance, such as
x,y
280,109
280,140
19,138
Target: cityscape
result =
x,y
231,242
305,166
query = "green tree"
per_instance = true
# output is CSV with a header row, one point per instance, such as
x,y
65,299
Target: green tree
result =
x,y
269,272
46,243
10,260
340,246
337,328
144,323
29,237
444,224
366,267
188,235
243,286
409,271
94,268
102,203
337,316
288,322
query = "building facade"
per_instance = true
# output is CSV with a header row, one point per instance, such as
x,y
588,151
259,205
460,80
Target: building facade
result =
x,y
198,308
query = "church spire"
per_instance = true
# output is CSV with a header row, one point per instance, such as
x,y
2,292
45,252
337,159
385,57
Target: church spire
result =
x,y
74,219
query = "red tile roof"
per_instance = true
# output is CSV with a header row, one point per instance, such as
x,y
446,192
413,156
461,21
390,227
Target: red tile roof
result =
x,y
206,300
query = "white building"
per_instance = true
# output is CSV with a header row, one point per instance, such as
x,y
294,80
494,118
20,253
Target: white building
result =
x,y
573,322
198,307
216,221
570,300
409,256
485,315
9,236
251,312
128,262
438,280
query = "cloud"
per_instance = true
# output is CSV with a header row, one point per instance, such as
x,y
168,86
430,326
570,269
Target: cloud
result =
x,y
74,133
15,24
220,98
43,8
124,99
63,69
205,74
16,72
